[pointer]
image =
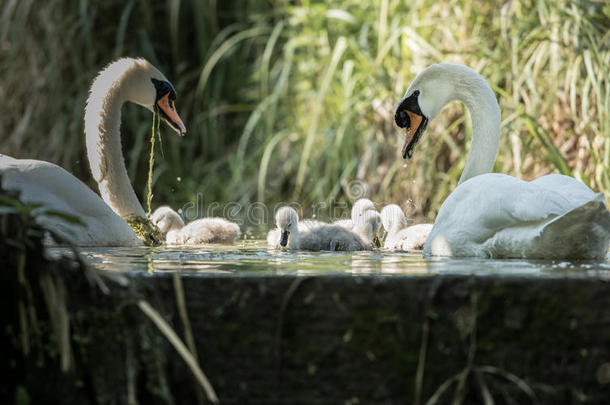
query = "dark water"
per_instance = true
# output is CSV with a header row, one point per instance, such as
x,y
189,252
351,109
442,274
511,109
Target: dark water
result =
x,y
254,258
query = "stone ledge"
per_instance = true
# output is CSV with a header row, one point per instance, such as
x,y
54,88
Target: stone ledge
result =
x,y
345,339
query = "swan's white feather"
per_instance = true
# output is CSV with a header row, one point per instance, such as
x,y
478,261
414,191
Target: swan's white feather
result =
x,y
197,232
40,182
205,230
491,210
273,236
360,207
317,237
399,235
413,237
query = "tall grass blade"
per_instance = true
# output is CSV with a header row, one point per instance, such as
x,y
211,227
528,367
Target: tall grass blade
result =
x,y
187,356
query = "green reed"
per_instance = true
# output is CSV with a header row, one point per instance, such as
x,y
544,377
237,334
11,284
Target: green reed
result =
x,y
294,101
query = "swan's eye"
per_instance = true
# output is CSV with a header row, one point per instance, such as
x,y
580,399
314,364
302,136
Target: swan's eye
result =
x,y
416,93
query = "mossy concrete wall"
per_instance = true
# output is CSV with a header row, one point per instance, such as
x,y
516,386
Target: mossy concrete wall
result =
x,y
337,340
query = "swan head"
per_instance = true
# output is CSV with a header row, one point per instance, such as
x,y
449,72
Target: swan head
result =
x,y
369,225
365,214
166,219
287,221
392,216
143,84
360,207
429,92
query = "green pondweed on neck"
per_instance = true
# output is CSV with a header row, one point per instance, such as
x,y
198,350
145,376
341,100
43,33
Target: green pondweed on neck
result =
x,y
159,136
142,227
151,163
145,230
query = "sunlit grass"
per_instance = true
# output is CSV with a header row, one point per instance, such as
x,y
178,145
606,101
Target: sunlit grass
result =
x,y
291,102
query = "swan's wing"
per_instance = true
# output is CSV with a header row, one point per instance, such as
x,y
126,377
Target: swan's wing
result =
x,y
570,188
49,184
486,204
493,201
44,183
581,233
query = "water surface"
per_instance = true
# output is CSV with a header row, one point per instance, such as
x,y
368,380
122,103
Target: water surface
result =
x,y
253,257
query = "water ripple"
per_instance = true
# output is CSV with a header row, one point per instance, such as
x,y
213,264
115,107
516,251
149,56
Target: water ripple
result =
x,y
254,258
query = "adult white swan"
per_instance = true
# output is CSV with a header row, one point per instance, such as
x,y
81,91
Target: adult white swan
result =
x,y
40,182
495,215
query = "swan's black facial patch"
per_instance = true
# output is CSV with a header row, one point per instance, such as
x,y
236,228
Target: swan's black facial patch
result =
x,y
410,103
408,115
164,105
162,87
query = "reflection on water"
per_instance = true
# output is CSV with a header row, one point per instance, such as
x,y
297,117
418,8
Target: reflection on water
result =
x,y
254,258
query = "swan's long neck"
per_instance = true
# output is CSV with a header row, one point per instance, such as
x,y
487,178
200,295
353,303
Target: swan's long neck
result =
x,y
395,228
103,140
481,102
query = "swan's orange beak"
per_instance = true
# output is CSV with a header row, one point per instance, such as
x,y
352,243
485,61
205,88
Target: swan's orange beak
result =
x,y
415,121
409,116
168,112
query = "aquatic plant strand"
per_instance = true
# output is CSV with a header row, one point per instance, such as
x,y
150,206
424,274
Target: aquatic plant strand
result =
x,y
151,163
159,136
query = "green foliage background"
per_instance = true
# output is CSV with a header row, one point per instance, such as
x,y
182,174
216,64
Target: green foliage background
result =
x,y
293,101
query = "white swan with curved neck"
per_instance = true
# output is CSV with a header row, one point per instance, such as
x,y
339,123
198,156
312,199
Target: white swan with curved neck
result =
x,y
40,182
127,79
495,215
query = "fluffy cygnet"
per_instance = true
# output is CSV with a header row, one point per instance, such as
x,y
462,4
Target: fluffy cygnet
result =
x,y
360,207
274,235
199,231
325,237
399,236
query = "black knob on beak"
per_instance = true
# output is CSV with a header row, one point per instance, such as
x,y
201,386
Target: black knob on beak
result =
x,y
410,104
402,118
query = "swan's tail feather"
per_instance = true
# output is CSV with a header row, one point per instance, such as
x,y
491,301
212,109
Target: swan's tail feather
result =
x,y
582,233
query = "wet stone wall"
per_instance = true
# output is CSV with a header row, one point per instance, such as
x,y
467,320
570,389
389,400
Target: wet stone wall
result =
x,y
379,340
